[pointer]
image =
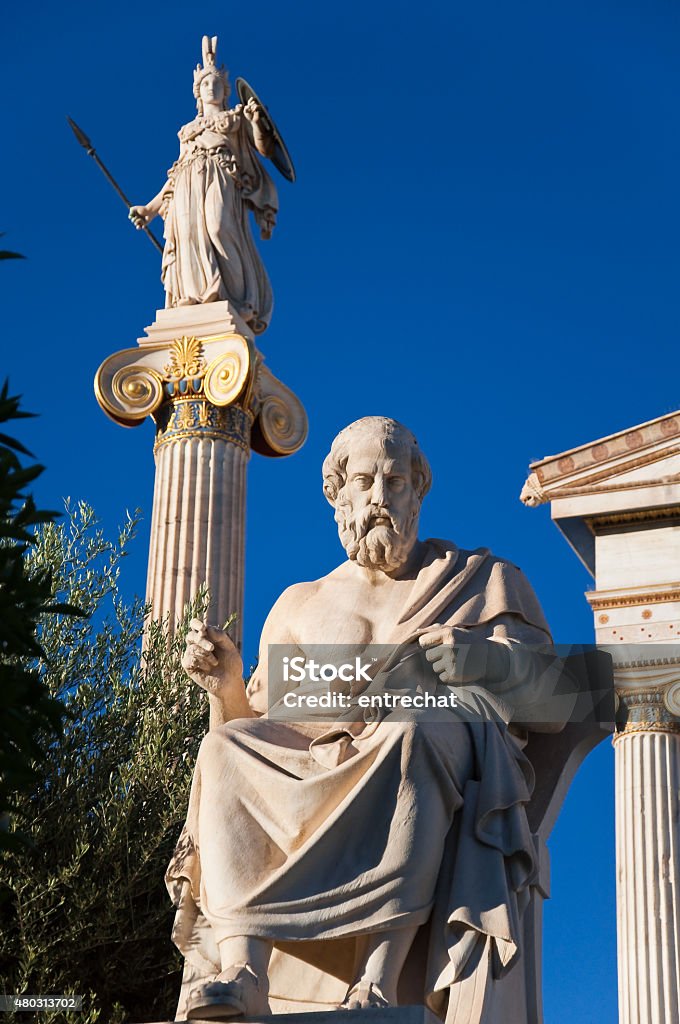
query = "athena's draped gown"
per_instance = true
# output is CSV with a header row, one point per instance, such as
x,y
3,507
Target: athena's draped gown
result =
x,y
209,250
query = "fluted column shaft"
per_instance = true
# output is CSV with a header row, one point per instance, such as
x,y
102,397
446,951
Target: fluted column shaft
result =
x,y
648,877
198,518
647,757
198,529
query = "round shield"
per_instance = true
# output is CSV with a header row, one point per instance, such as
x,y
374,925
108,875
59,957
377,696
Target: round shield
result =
x,y
280,156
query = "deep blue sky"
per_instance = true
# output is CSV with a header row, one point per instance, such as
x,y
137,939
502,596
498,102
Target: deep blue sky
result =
x,y
482,242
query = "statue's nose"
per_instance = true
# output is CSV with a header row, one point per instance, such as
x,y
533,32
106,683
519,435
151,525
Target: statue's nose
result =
x,y
378,496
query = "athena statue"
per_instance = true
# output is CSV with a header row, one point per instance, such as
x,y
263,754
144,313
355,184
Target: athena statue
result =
x,y
216,181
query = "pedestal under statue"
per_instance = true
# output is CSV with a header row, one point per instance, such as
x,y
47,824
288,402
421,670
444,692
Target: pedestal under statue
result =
x,y
318,855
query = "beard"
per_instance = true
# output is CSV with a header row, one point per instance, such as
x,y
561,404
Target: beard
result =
x,y
384,546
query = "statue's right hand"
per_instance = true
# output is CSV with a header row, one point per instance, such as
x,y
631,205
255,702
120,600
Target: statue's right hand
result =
x,y
210,658
140,216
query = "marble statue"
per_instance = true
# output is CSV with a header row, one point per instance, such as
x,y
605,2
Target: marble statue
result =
x,y
213,186
316,852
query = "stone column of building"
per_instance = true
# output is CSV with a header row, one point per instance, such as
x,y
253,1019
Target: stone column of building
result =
x,y
617,501
201,378
647,746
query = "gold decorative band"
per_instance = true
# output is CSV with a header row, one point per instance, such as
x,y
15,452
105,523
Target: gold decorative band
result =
x,y
648,711
645,515
633,600
638,727
197,418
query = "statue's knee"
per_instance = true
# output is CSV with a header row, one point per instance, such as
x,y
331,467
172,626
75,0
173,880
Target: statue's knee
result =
x,y
439,731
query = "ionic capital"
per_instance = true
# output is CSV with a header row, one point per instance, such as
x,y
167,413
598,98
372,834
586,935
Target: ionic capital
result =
x,y
216,386
647,681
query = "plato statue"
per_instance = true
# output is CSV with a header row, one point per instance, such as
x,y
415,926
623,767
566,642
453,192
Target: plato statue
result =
x,y
326,846
213,186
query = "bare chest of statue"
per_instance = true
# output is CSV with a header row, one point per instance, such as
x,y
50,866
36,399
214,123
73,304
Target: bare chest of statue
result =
x,y
350,612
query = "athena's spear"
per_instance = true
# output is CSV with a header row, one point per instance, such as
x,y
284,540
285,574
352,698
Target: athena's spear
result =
x,y
90,150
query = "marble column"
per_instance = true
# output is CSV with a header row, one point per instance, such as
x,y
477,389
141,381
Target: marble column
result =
x,y
647,756
198,519
200,377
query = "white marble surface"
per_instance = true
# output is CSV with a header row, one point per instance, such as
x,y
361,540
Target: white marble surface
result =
x,y
211,318
648,876
198,528
213,187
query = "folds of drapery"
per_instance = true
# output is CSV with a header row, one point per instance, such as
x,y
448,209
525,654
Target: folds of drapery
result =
x,y
312,795
209,252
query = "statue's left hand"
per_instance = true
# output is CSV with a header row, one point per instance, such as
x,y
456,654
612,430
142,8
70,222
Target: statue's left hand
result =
x,y
253,111
454,655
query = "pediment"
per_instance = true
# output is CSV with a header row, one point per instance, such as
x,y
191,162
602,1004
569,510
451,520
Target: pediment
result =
x,y
642,457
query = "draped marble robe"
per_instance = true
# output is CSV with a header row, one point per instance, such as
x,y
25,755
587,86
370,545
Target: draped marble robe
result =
x,y
209,252
287,835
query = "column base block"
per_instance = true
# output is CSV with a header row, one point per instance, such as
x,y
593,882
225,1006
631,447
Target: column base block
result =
x,y
203,320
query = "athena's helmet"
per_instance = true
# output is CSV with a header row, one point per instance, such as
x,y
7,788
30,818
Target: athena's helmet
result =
x,y
209,68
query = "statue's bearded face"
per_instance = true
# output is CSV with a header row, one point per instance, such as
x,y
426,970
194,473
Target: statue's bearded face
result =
x,y
377,508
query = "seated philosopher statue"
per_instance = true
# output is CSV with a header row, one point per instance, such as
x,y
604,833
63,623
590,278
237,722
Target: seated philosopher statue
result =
x,y
319,855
